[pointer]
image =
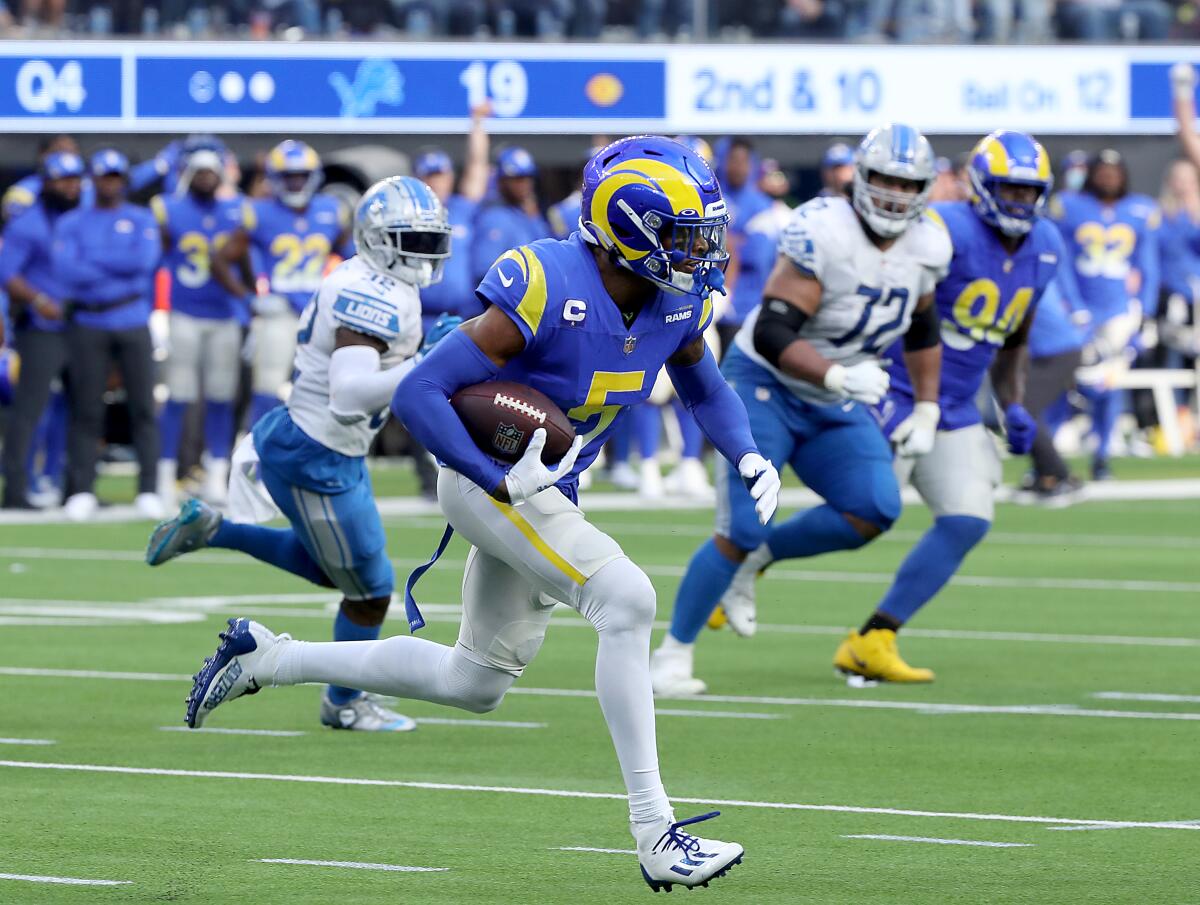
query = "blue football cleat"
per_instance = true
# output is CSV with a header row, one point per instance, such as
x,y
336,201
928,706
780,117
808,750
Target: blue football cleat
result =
x,y
246,648
191,530
669,856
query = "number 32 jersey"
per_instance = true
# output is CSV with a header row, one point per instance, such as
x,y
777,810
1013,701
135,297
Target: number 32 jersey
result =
x,y
366,301
983,301
867,295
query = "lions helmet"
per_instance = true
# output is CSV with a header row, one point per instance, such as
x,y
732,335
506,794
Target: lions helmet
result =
x,y
1008,158
401,228
902,152
655,206
293,172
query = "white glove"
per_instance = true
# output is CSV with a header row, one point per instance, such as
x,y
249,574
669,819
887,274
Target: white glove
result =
x,y
270,305
529,475
762,480
864,382
1183,81
914,435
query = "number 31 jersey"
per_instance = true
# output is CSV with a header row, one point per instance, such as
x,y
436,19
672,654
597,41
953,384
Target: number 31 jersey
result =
x,y
983,301
366,301
867,294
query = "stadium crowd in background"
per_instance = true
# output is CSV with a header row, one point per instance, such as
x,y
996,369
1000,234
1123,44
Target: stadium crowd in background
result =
x,y
851,20
235,252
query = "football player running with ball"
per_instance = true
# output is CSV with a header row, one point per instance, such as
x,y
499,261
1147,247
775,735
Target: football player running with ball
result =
x,y
588,321
357,339
853,276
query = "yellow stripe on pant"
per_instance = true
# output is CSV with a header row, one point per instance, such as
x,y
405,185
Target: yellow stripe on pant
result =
x,y
540,545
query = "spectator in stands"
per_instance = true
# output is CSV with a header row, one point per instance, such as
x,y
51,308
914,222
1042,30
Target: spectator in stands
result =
x,y
43,14
918,21
837,170
658,19
513,217
1110,20
106,256
811,19
37,295
549,18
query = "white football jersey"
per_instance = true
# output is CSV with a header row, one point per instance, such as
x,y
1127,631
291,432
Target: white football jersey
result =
x,y
364,300
867,295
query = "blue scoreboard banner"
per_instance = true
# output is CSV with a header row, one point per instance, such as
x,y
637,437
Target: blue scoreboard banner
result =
x,y
114,86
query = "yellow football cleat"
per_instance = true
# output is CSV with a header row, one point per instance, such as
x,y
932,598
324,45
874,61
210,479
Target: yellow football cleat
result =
x,y
874,656
718,619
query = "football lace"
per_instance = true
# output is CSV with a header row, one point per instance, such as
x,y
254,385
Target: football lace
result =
x,y
518,406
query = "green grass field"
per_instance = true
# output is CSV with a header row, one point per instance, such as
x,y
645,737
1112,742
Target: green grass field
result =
x,y
1011,745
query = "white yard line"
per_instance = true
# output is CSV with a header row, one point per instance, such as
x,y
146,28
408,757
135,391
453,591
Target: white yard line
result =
x,y
1177,824
27,741
355,865
937,841
64,881
216,730
923,707
719,714
571,793
1156,698
602,851
500,724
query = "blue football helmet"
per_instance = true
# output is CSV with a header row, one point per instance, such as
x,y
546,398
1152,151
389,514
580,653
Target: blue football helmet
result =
x,y
1008,158
655,206
401,228
293,173
892,150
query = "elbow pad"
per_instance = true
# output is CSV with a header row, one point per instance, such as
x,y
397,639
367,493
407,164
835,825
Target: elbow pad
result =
x,y
778,326
924,332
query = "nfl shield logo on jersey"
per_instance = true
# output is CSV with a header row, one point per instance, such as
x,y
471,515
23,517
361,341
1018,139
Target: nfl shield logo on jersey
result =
x,y
508,439
630,343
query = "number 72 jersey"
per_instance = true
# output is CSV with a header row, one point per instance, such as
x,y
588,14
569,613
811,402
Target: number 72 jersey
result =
x,y
867,295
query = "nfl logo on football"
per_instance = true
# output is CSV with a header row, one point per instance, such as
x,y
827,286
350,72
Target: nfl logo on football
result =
x,y
508,439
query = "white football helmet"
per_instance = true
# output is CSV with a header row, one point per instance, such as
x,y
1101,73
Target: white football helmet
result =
x,y
892,150
401,228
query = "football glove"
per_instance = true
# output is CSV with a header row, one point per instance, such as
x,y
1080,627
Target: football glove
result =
x,y
864,382
1020,428
915,435
530,475
762,480
442,327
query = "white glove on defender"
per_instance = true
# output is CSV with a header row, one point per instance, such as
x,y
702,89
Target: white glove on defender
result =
x,y
864,382
762,480
529,475
914,436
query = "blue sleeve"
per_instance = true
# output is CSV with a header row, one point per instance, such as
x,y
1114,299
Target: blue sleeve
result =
x,y
70,258
1068,285
422,402
715,406
490,241
147,173
15,251
516,284
1148,265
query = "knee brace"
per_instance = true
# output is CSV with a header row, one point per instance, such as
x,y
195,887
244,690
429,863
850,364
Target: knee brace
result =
x,y
619,598
369,613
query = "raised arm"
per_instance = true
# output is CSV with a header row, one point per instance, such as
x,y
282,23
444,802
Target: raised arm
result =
x,y
1183,102
473,185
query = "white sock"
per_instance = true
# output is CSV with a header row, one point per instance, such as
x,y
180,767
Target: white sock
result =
x,y
670,644
758,558
402,666
619,601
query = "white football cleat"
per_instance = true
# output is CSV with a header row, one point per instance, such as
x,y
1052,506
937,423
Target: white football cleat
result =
x,y
739,603
671,670
623,476
364,713
243,663
689,479
148,505
216,481
650,484
168,483
80,507
669,856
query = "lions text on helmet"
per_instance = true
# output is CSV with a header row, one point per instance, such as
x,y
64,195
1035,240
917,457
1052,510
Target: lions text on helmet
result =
x,y
401,228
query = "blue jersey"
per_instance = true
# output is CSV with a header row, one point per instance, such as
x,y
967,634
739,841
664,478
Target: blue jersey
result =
x,y
26,252
195,230
578,349
1053,332
564,216
754,248
1105,243
455,293
983,300
1179,254
294,246
499,227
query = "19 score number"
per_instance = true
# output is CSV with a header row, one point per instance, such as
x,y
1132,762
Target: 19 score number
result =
x,y
853,91
504,83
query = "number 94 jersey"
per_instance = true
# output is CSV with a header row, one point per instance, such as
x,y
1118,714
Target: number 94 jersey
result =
x,y
867,295
983,300
366,301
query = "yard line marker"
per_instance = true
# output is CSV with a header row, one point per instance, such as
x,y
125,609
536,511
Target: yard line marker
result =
x,y
571,793
1178,824
1156,698
937,841
64,881
602,851
503,724
27,741
719,714
217,730
356,865
1068,710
